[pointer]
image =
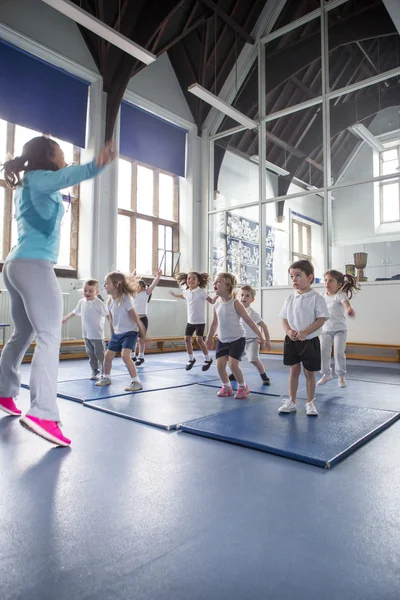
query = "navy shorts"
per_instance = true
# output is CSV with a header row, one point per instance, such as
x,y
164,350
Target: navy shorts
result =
x,y
122,340
233,349
199,329
145,323
307,352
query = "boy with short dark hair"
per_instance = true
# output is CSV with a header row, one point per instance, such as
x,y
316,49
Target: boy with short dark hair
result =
x,y
303,315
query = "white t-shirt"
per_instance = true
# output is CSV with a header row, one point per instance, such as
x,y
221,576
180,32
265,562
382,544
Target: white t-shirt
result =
x,y
337,313
119,309
301,311
230,327
250,334
141,302
93,313
196,305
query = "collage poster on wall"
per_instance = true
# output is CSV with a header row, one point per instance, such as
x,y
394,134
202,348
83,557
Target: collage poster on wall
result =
x,y
237,249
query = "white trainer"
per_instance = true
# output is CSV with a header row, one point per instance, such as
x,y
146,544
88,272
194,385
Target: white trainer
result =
x,y
311,411
324,379
287,407
342,381
103,381
135,386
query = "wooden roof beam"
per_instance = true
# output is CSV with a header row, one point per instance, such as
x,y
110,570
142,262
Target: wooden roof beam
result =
x,y
229,21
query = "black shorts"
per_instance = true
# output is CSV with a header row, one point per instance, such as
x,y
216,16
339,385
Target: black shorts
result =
x,y
145,322
199,329
307,352
233,349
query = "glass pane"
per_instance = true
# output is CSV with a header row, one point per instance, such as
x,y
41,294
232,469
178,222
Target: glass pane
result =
x,y
234,244
124,184
166,197
161,260
363,42
2,194
3,143
390,202
296,238
123,243
293,65
389,155
161,236
144,247
168,238
68,150
168,264
304,239
145,190
64,257
294,10
23,135
361,122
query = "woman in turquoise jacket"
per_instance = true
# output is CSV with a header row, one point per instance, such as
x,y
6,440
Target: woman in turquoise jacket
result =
x,y
28,274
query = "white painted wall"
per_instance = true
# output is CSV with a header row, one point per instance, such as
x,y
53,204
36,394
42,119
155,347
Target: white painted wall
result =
x,y
376,305
47,26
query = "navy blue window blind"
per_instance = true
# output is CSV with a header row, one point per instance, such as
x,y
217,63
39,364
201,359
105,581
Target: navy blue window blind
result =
x,y
149,139
39,96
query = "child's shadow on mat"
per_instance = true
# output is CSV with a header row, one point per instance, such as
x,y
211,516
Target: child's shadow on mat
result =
x,y
7,424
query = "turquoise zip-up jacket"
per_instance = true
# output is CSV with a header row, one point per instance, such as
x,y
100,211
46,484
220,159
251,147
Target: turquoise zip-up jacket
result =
x,y
39,210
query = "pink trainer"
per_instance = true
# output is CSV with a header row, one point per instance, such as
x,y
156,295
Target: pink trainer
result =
x,y
242,393
8,406
48,430
225,391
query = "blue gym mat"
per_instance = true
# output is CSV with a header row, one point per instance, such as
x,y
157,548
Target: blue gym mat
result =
x,y
279,382
168,408
375,374
85,391
320,441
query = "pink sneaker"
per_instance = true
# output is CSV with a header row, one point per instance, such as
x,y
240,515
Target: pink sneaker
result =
x,y
8,406
242,393
48,430
225,391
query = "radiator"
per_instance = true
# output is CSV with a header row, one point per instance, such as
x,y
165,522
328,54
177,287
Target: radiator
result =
x,y
5,313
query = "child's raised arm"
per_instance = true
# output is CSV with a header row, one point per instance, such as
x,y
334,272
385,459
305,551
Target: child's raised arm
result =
x,y
212,300
248,320
154,282
181,296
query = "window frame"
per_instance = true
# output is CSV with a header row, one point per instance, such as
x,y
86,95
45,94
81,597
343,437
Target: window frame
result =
x,y
154,218
299,255
70,270
387,182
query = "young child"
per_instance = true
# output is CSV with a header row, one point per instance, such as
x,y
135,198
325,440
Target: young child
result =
x,y
339,290
247,297
303,314
228,317
93,313
142,299
196,297
125,326
28,274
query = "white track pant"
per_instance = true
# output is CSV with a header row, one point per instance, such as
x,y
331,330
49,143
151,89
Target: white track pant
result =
x,y
36,309
338,338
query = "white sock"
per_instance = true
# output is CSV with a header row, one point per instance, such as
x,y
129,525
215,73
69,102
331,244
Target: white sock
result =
x,y
226,385
190,356
141,355
206,357
136,379
242,384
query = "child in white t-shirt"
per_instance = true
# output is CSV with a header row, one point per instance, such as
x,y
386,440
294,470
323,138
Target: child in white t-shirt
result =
x,y
196,296
142,299
125,327
339,290
247,297
303,314
93,313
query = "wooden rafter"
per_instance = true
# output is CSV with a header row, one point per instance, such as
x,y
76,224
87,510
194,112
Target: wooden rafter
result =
x,y
229,20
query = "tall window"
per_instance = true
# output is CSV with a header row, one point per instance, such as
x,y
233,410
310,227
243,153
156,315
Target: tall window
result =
x,y
12,140
148,219
389,190
301,241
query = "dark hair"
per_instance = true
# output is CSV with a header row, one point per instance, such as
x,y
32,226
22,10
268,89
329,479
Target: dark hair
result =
x,y
348,283
144,287
203,278
36,155
303,265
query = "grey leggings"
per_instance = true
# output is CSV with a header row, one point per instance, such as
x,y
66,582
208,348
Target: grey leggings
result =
x,y
95,350
36,309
